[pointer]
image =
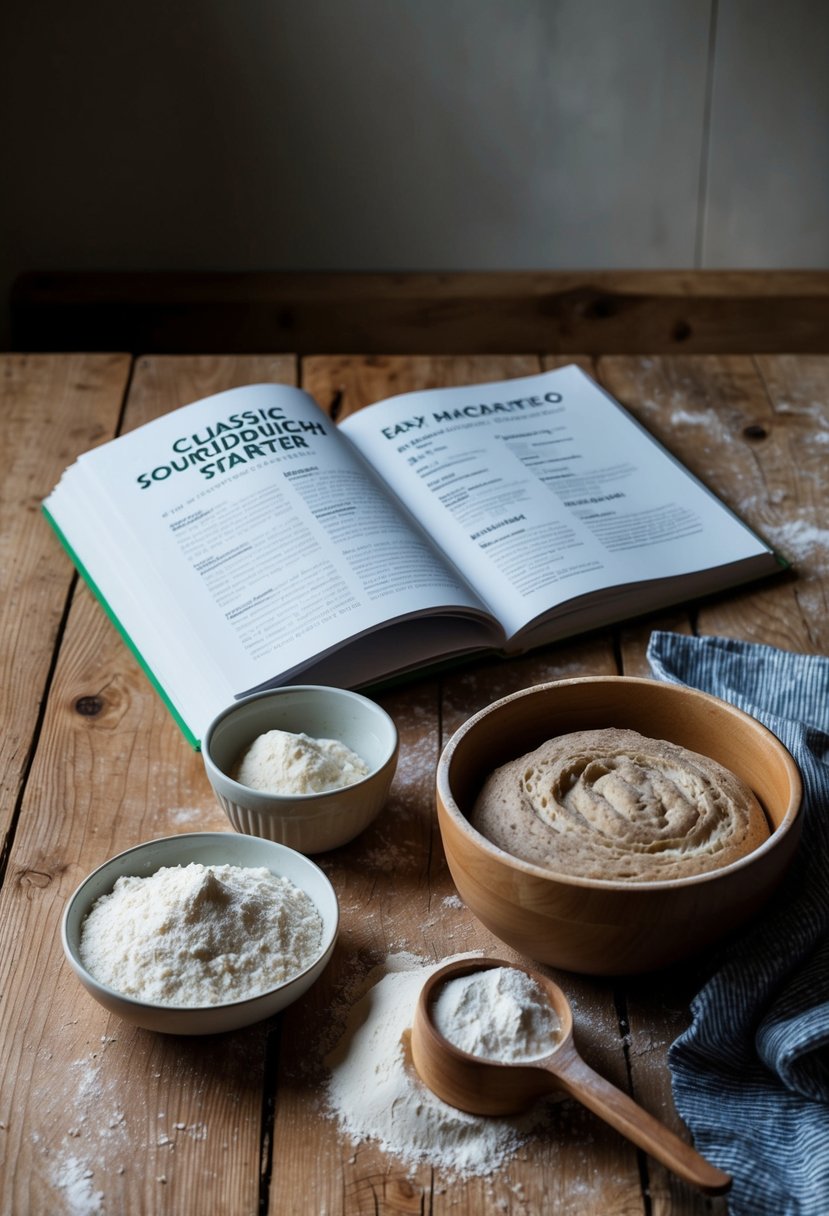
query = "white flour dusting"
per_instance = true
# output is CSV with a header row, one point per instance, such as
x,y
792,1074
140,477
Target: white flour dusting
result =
x,y
800,539
92,1138
188,814
75,1179
499,1013
375,1094
200,935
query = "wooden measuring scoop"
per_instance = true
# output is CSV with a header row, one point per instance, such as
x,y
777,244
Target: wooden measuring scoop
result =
x,y
492,1087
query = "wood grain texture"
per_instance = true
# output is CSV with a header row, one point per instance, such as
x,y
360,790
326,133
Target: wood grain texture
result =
x,y
90,1107
52,408
756,431
139,1121
557,311
396,894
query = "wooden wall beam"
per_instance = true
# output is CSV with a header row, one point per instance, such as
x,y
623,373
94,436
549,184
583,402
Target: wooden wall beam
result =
x,y
556,312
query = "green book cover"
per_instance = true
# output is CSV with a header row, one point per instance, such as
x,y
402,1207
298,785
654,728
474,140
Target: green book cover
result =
x,y
145,667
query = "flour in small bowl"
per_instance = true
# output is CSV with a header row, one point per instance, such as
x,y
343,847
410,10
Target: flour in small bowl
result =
x,y
199,935
280,762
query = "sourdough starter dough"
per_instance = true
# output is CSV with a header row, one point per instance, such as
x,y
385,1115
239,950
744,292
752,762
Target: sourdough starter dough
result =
x,y
614,804
200,935
285,763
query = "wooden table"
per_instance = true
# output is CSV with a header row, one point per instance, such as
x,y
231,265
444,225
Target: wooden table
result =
x,y
98,1116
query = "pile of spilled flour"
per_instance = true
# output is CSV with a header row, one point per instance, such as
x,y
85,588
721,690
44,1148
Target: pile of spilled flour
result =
x,y
375,1094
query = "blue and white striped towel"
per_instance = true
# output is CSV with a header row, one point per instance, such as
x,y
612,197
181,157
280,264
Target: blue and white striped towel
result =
x,y
751,1074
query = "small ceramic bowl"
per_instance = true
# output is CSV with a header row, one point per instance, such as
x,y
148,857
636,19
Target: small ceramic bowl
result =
x,y
604,926
311,823
208,848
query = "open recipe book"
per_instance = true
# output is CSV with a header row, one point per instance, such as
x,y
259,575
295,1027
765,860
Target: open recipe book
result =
x,y
245,540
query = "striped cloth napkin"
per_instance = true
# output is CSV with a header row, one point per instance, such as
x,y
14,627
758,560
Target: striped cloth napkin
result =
x,y
751,1074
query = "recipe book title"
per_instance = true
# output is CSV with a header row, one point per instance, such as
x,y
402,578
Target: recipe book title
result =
x,y
237,439
467,413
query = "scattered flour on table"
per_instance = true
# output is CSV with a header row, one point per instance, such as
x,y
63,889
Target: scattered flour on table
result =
x,y
98,1126
200,935
89,1135
374,1093
75,1180
801,540
416,765
499,1013
286,763
187,814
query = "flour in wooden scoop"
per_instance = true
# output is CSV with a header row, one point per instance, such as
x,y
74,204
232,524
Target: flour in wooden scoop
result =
x,y
499,1013
200,935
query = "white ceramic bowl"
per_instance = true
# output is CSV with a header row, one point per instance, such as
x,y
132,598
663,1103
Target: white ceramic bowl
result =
x,y
208,848
311,823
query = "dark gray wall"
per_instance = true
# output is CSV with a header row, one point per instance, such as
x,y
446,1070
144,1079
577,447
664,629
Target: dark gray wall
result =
x,y
413,134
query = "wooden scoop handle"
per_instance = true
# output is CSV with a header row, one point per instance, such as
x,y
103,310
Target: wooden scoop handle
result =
x,y
578,1079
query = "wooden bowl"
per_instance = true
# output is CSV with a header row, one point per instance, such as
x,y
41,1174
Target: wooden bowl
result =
x,y
602,926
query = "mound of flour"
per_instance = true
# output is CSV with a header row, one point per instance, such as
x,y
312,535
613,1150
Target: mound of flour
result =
x,y
200,935
286,763
497,1014
375,1094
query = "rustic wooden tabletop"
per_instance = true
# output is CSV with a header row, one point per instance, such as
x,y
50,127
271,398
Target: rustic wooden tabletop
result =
x,y
97,1116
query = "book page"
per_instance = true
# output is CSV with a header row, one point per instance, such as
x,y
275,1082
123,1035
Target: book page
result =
x,y
543,489
241,537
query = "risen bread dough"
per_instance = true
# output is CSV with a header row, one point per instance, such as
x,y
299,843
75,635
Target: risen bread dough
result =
x,y
614,804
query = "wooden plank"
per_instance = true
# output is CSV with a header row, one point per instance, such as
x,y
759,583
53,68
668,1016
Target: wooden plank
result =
x,y
752,430
581,1165
345,385
706,411
798,477
163,383
713,412
388,898
650,1016
49,404
396,894
583,311
90,1107
636,1008
382,883
93,1110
